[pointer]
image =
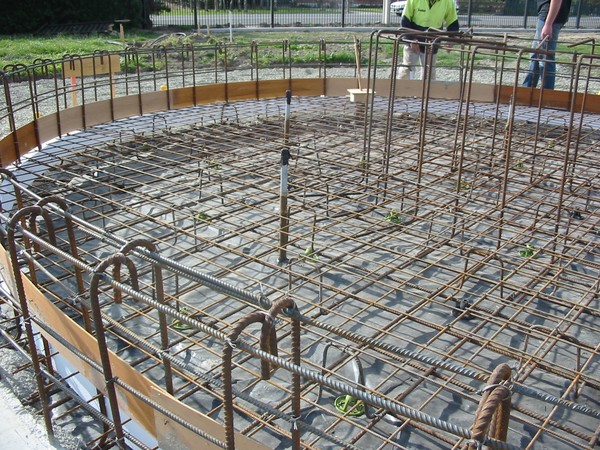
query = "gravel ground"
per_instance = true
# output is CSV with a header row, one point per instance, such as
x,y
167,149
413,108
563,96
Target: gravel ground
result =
x,y
20,92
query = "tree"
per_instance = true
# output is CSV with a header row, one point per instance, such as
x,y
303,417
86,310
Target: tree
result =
x,y
26,16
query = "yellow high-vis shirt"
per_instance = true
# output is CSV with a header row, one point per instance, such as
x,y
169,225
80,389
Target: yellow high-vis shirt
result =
x,y
435,16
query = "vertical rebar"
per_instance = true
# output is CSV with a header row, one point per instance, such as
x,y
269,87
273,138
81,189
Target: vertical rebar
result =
x,y
102,347
62,204
12,247
288,304
268,342
159,292
493,413
284,219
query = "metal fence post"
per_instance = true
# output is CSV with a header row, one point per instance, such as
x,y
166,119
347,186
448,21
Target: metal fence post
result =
x,y
578,18
272,10
525,14
469,13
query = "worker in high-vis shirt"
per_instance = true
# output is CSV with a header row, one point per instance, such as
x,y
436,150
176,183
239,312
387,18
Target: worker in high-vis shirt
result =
x,y
422,15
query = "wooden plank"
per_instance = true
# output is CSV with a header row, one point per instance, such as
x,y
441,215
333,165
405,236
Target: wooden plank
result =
x,y
97,112
359,95
91,65
243,90
482,93
446,90
126,106
25,138
550,98
168,432
210,93
6,271
49,314
48,127
71,119
274,88
155,101
7,150
174,436
335,87
308,87
182,97
412,88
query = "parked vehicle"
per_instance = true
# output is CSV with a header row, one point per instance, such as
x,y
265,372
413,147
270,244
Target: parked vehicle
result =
x,y
397,7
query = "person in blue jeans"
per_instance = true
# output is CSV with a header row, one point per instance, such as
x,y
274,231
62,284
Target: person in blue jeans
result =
x,y
552,15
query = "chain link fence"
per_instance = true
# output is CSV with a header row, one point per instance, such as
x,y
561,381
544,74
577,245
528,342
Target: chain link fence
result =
x,y
207,14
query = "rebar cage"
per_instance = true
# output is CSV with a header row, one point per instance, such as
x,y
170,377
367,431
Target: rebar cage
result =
x,y
414,266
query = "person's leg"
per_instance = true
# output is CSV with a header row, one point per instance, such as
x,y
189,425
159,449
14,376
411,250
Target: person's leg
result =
x,y
423,58
533,75
548,64
409,61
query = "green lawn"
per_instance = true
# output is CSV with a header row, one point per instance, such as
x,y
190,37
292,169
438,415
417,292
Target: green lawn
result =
x,y
27,49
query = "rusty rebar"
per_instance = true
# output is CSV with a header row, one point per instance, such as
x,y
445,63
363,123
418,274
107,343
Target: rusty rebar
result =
x,y
17,279
493,412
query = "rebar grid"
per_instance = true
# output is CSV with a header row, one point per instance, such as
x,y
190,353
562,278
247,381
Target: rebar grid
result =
x,y
427,264
429,242
46,86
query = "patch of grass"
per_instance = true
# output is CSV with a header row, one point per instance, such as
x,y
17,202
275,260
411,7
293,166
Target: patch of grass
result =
x,y
343,56
304,46
584,48
463,185
202,217
26,49
394,217
528,252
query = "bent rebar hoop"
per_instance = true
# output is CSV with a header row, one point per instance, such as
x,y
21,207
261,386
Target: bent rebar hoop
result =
x,y
20,288
493,412
115,260
160,298
62,204
268,344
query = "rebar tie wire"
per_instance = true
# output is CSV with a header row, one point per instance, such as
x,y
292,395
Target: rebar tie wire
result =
x,y
493,412
183,365
259,301
335,385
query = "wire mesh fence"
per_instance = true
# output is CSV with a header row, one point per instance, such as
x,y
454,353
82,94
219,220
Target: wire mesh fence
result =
x,y
351,13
